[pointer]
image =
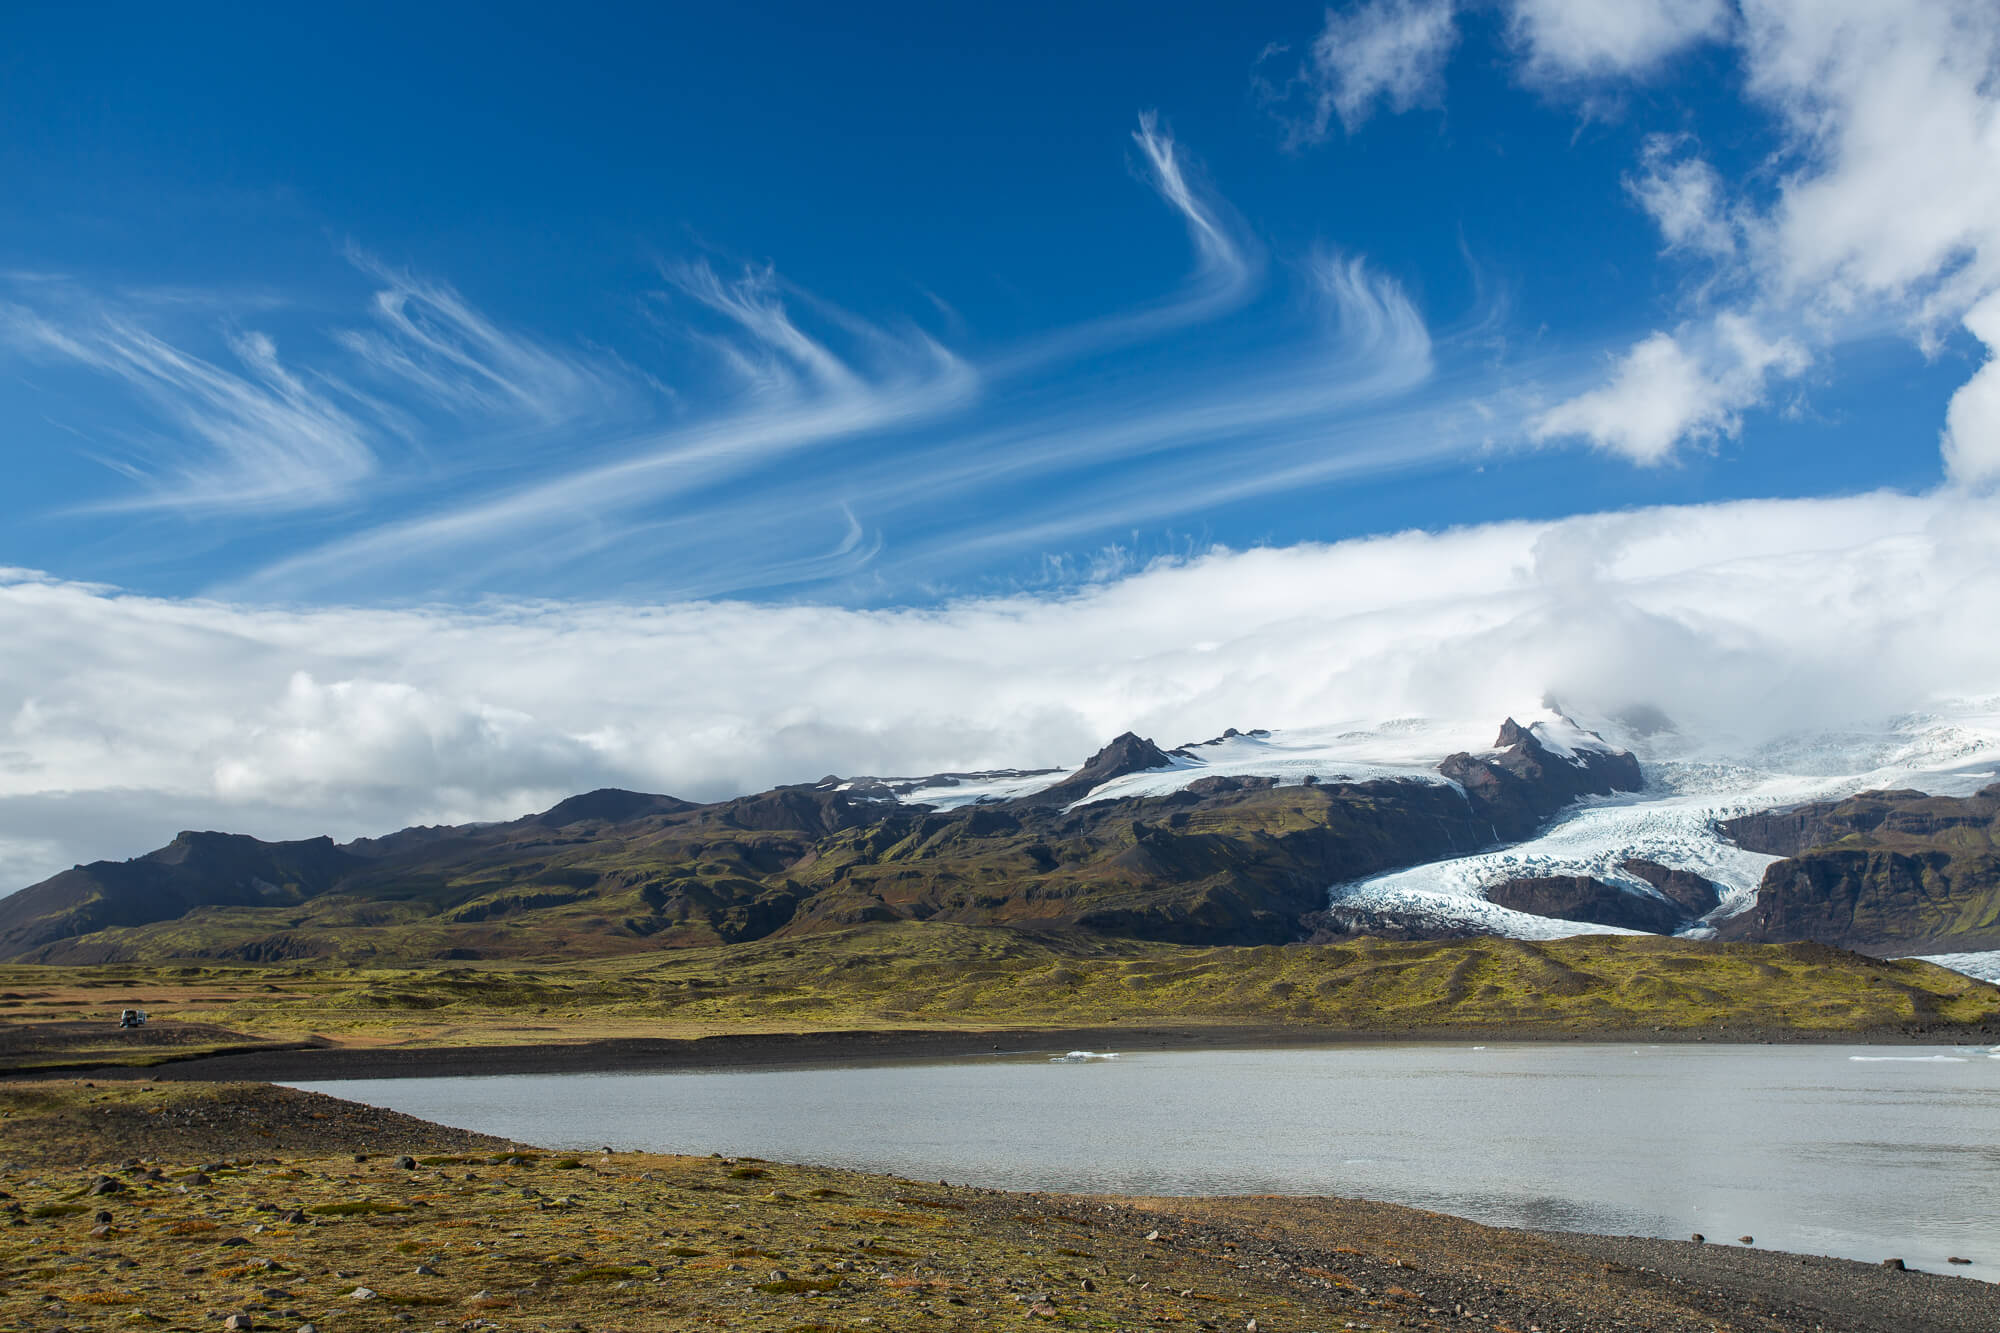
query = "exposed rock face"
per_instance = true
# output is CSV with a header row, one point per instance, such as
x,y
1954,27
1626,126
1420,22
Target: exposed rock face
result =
x,y
1127,754
1690,892
1523,782
1229,860
1583,898
1885,872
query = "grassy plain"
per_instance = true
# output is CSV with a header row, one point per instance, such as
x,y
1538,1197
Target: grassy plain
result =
x,y
948,978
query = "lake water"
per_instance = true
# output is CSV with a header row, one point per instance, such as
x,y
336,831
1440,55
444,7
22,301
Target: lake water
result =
x,y
1861,1152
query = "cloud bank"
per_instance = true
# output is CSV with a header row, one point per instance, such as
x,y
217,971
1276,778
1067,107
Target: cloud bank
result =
x,y
1739,621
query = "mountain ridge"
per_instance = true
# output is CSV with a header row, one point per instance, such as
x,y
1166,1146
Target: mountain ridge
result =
x,y
1220,860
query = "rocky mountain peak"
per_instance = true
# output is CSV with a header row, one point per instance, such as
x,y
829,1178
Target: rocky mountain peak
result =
x,y
1128,753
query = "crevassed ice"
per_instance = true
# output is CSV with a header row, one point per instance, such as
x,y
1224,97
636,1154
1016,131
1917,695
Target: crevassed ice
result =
x,y
1674,820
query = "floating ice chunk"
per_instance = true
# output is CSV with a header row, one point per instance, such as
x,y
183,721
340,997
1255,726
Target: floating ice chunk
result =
x,y
1909,1059
1082,1057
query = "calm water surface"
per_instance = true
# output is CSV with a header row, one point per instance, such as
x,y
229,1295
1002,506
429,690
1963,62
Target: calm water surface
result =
x,y
1863,1152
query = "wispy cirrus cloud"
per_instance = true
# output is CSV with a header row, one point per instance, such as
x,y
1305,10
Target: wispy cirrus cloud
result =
x,y
428,336
263,434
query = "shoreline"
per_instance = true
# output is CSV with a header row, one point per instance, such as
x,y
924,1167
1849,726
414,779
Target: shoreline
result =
x,y
296,1062
629,1240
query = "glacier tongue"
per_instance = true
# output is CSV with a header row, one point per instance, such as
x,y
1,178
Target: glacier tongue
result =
x,y
1674,820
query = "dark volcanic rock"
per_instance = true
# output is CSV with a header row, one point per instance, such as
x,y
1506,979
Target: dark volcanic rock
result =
x,y
1691,892
1884,871
1129,753
194,870
1582,898
609,805
1523,782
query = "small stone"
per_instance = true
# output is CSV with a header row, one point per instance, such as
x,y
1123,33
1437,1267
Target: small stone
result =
x,y
103,1215
199,1178
100,1232
780,1275
1698,1238
1748,1240
1895,1265
1088,1285
361,1294
1042,1310
239,1321
425,1270
308,1328
406,1163
106,1185
1954,1259
234,1241
296,1216
1250,1327
1152,1235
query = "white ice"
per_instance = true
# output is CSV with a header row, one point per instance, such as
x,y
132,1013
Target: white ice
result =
x,y
1982,966
1673,822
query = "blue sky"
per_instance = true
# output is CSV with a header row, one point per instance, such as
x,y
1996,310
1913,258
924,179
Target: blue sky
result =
x,y
426,412
770,302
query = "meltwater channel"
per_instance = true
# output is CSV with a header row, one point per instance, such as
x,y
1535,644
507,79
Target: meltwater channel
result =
x,y
1859,1152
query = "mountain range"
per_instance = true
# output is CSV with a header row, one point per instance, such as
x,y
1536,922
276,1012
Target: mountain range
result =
x,y
1248,838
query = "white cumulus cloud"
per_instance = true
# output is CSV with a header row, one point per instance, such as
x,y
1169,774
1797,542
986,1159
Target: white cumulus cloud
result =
x,y
1389,53
1598,39
1739,621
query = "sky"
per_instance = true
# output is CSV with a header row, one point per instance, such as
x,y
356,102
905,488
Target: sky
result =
x,y
419,415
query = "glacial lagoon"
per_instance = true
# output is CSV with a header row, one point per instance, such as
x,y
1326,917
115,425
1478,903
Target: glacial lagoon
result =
x,y
1861,1152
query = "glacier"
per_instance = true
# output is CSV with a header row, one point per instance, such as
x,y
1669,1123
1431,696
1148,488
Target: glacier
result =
x,y
1692,786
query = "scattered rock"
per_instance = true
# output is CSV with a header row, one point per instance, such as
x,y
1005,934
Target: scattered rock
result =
x,y
1748,1240
1895,1265
239,1321
200,1178
1152,1235
107,1185
1698,1238
425,1270
406,1163
1954,1259
361,1294
103,1215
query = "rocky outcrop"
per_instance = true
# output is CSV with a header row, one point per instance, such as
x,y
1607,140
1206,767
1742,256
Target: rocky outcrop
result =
x,y
1694,894
1521,782
1129,753
1881,872
1584,898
